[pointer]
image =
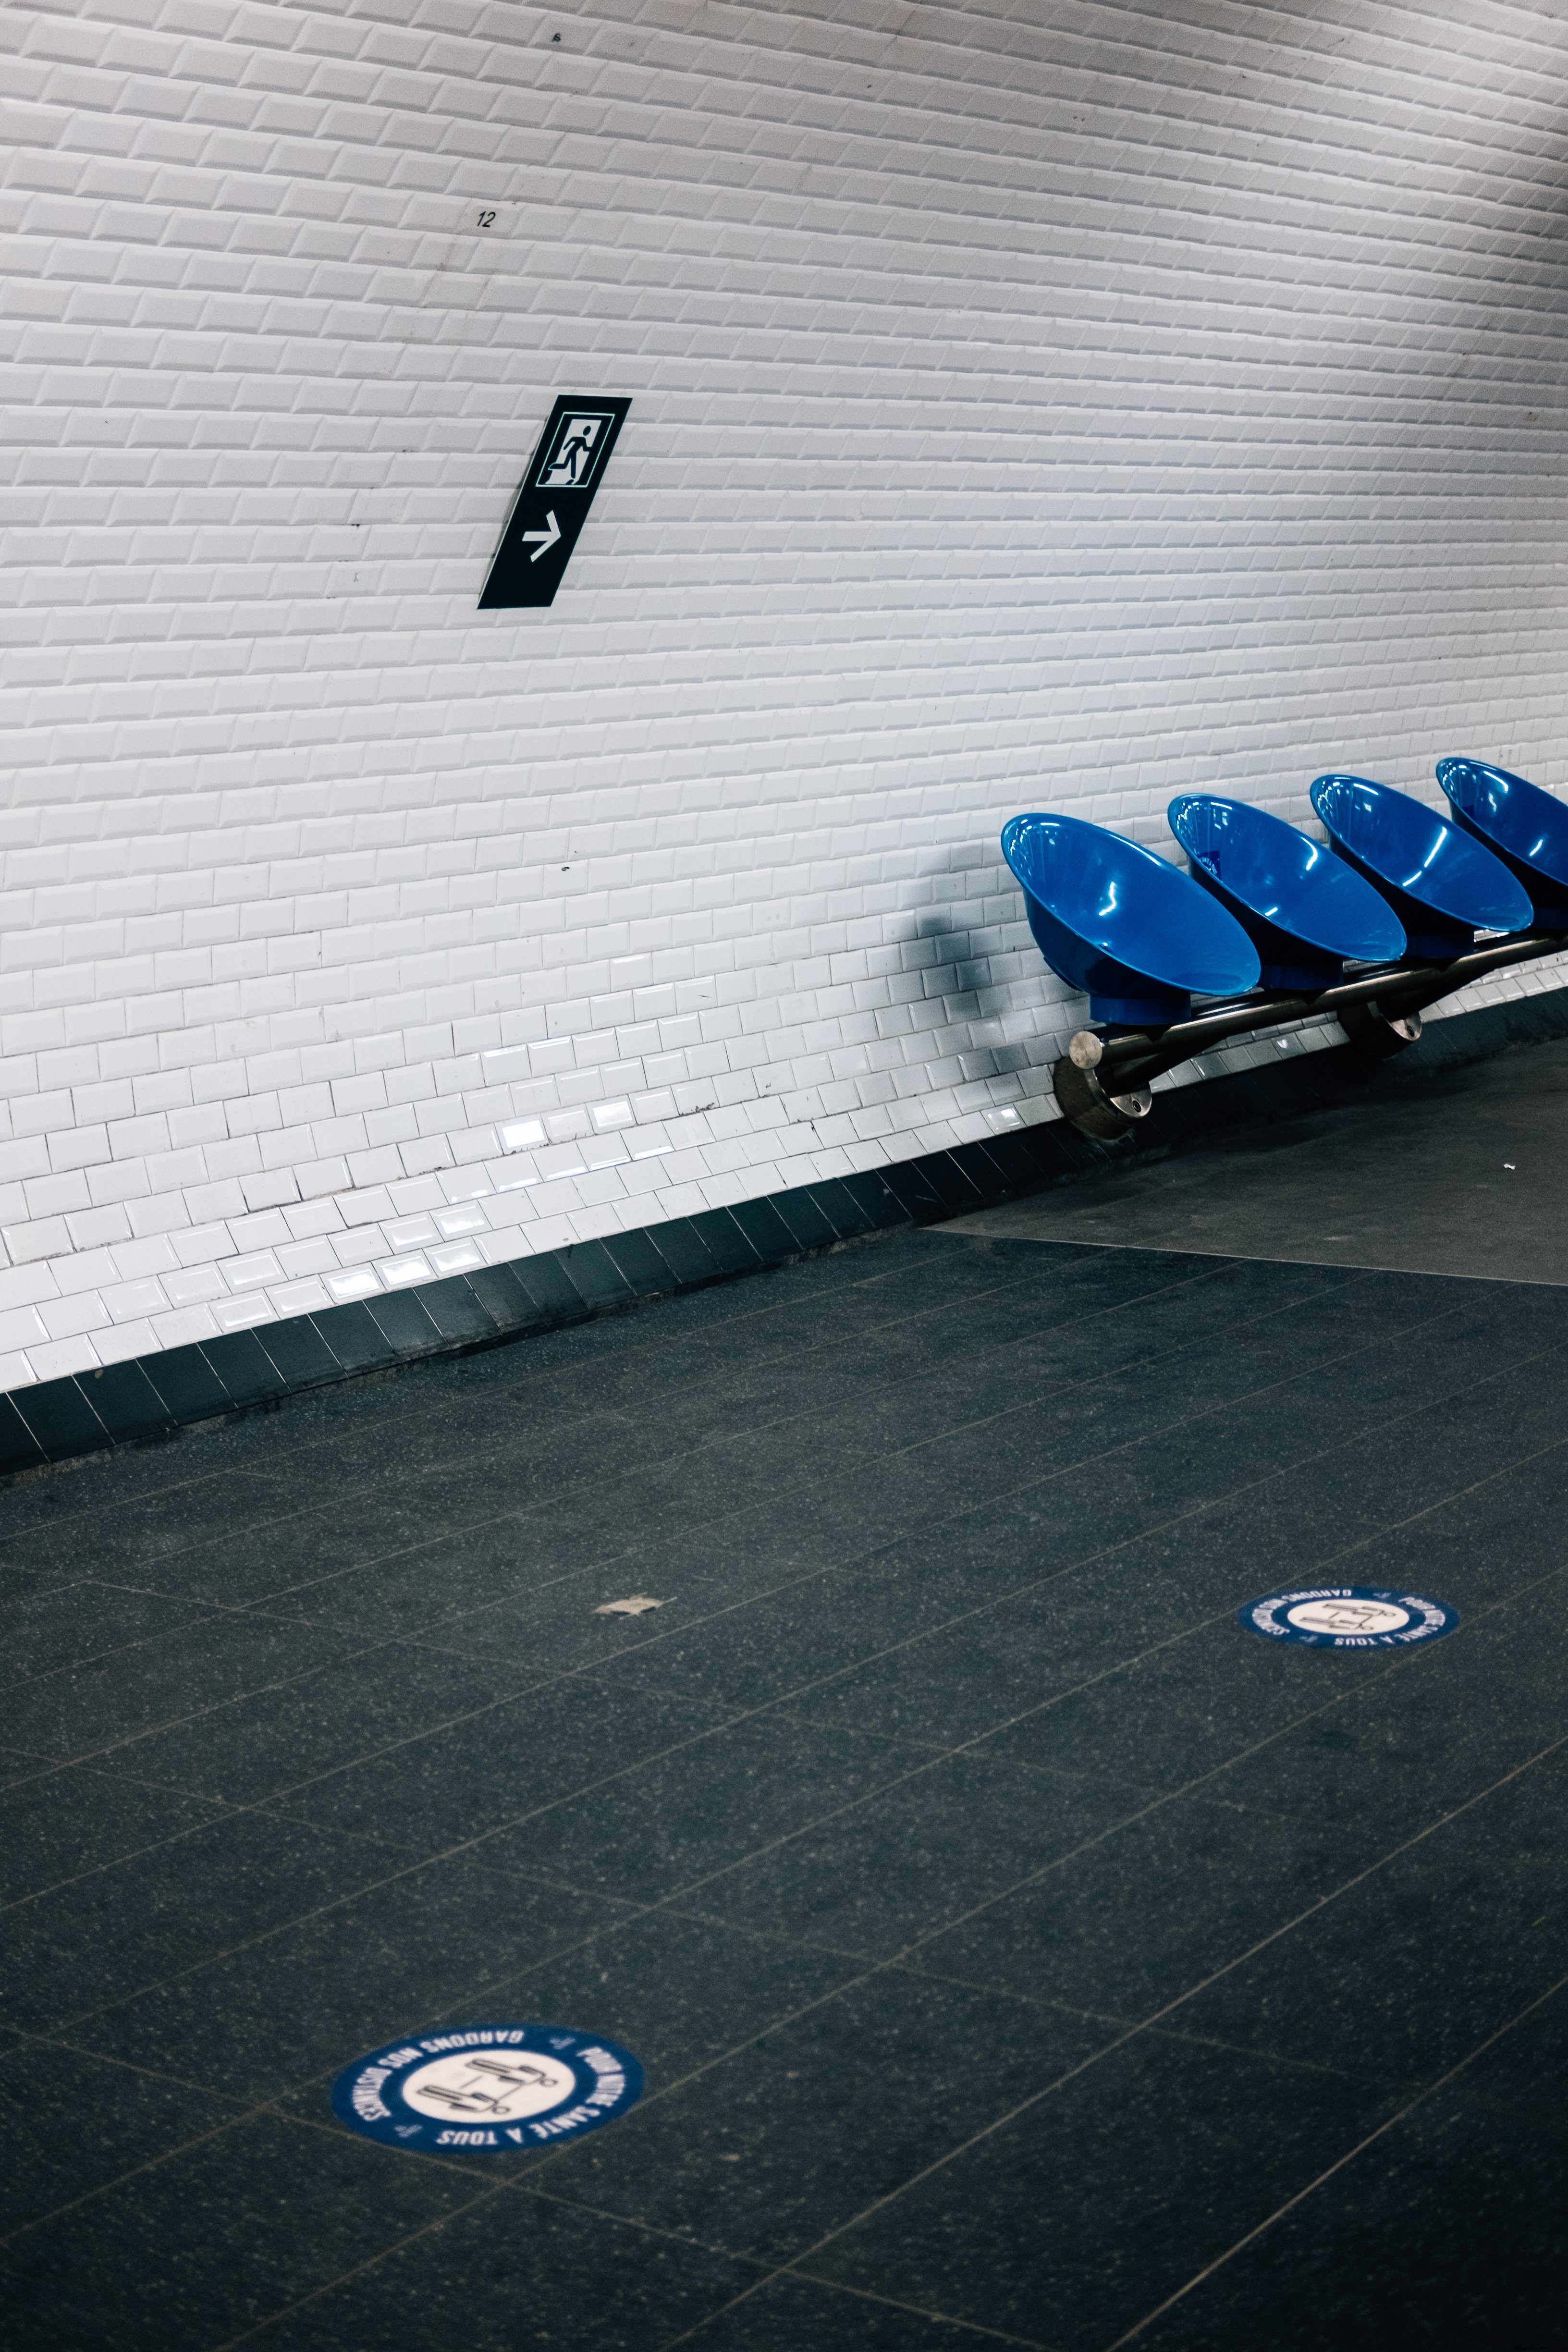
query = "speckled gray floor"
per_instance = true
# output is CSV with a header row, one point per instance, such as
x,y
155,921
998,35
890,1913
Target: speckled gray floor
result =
x,y
1018,1950
1466,1173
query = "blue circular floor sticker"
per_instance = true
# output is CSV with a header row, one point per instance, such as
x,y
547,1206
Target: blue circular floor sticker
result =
x,y
1349,1617
490,2088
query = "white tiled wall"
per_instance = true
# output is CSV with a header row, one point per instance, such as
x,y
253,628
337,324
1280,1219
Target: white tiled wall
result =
x,y
1033,403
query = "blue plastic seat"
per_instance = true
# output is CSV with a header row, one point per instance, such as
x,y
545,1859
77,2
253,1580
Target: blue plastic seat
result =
x,y
1526,827
1444,887
1123,925
1302,908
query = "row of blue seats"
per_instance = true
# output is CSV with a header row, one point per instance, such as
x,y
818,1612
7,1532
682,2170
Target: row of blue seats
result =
x,y
1267,906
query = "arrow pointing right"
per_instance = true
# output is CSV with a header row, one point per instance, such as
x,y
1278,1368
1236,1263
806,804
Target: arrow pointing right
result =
x,y
546,538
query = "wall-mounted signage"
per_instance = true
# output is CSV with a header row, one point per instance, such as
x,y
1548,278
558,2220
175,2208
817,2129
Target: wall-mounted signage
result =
x,y
565,470
487,2089
1349,1617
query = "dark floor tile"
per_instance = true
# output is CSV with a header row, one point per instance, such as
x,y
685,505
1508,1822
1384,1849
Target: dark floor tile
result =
x,y
81,1709
1018,1160
575,2282
593,1272
66,1625
242,1365
687,1256
841,1209
788,2311
1522,2067
804,1222
71,2124
984,1667
126,1403
678,1992
420,1586
502,1297
832,1517
298,1352
292,2007
266,1742
1493,1539
725,1243
801,2130
60,1419
683,1817
40,1516
554,1626
800,1630
467,1467
1201,1693
766,1229
57,1825
188,2254
514,1758
19,1449
933,1489
172,1497
545,1279
1077,2215
639,1265
1411,1968
949,1180
400,1318
1422,1739
1446,2232
138,1921
1424,1456
427,1437
515,1461
1152,1909
40,2315
902,1864
187,1382
355,1337
913,1190
902,1384
296,1562
872,1192
453,1308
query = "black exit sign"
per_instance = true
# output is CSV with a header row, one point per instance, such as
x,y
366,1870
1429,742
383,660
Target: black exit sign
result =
x,y
552,507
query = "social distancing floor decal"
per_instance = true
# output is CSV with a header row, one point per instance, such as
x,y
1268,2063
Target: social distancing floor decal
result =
x,y
493,2088
1349,1617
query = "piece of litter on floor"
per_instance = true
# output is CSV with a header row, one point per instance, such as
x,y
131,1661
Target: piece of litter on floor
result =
x,y
1508,1163
635,1606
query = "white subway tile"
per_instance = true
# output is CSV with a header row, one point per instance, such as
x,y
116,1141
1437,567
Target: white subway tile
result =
x,y
457,1257
354,927
397,1273
252,1273
239,1314
355,1282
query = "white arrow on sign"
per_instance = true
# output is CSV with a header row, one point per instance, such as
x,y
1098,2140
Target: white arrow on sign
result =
x,y
546,538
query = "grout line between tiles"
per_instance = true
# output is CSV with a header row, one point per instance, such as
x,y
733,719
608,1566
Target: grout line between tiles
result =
x,y
915,1771
1428,2092
552,1501
420,1409
1149,2023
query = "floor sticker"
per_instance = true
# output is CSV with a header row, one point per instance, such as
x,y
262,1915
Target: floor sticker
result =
x,y
1349,1617
492,2088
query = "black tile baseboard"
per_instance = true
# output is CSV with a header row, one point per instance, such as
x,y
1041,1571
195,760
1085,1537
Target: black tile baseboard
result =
x,y
122,1404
